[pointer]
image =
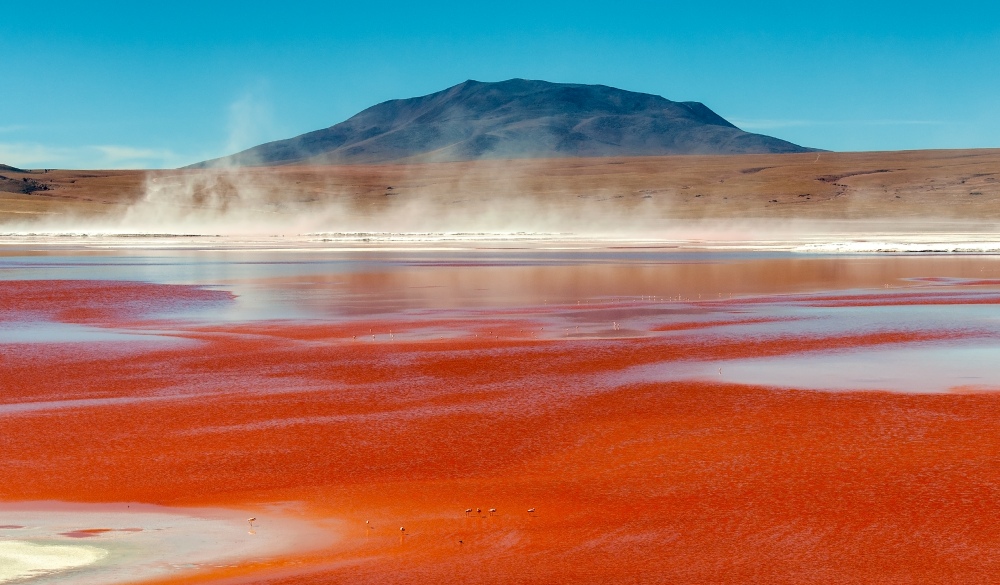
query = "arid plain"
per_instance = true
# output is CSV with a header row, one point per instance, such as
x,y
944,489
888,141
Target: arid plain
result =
x,y
500,412
895,186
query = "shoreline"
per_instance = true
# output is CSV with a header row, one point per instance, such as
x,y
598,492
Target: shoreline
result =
x,y
127,542
822,243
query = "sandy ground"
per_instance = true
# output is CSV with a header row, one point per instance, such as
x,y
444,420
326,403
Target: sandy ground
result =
x,y
868,192
397,406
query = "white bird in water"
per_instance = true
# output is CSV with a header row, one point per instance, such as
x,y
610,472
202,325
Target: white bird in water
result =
x,y
251,521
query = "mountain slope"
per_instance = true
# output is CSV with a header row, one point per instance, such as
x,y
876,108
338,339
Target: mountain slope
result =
x,y
517,118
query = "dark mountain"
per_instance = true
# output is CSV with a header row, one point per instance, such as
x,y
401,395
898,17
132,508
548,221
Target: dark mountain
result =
x,y
518,118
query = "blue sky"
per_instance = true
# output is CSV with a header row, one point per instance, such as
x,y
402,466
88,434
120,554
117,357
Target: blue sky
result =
x,y
129,84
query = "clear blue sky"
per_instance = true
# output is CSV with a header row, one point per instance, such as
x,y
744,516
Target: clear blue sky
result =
x,y
134,84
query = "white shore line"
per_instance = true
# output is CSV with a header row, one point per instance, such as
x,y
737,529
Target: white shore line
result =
x,y
97,544
832,243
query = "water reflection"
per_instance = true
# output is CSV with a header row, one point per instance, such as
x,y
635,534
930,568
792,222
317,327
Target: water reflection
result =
x,y
586,294
325,284
920,368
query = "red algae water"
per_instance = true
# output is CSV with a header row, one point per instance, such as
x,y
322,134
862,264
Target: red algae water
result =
x,y
494,416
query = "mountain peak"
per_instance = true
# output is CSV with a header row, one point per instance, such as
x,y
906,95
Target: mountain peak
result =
x,y
516,118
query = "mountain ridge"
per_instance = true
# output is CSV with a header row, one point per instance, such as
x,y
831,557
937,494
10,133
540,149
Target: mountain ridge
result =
x,y
517,118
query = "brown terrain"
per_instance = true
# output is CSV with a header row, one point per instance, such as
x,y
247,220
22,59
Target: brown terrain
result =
x,y
939,185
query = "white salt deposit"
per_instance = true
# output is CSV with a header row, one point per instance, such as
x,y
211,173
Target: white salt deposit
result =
x,y
21,559
98,544
901,247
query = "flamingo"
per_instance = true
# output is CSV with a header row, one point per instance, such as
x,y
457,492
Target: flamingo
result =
x,y
251,521
493,511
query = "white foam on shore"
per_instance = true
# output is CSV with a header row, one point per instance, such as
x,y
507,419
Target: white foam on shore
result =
x,y
21,559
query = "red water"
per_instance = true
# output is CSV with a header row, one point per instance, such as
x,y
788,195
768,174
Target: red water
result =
x,y
513,408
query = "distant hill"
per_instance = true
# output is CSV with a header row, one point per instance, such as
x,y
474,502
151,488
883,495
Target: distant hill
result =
x,y
518,118
22,185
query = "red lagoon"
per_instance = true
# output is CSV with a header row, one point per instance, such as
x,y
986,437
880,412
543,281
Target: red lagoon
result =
x,y
513,417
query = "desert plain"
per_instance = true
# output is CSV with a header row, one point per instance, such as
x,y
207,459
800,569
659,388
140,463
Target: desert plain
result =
x,y
628,408
924,186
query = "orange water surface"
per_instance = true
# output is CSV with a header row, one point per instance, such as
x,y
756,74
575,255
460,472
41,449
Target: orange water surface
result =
x,y
361,395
